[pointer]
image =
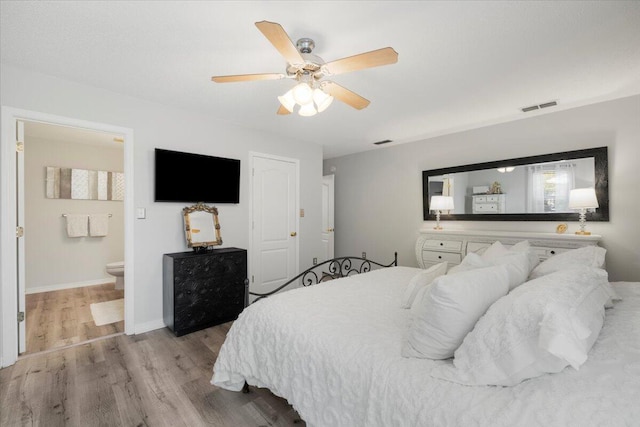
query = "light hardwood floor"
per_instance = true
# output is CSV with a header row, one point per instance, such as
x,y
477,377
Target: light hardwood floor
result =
x,y
152,379
61,318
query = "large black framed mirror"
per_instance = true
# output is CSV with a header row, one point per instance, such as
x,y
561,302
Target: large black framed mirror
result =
x,y
534,188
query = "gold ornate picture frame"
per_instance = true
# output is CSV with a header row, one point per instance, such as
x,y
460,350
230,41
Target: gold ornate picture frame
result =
x,y
201,225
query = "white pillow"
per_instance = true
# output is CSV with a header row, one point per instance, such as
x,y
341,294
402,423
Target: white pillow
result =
x,y
540,327
421,280
588,256
448,312
470,262
532,255
496,250
517,263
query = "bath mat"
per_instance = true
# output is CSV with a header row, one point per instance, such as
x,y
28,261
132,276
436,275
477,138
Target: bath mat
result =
x,y
107,312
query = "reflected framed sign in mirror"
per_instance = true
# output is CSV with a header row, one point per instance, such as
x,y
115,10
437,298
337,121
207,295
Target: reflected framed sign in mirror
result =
x,y
532,188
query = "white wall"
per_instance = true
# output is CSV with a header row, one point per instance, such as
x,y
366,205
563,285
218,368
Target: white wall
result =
x,y
52,258
156,125
379,192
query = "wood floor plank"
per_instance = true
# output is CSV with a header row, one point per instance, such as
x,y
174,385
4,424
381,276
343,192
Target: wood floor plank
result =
x,y
152,379
60,318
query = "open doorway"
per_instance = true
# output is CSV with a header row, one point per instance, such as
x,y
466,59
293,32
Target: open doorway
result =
x,y
12,268
73,198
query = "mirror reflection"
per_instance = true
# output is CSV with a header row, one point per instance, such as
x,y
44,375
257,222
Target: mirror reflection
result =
x,y
535,188
528,188
201,226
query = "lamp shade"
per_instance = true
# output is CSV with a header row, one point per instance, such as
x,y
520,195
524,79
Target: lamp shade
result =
x,y
441,203
287,101
302,94
322,100
307,110
583,198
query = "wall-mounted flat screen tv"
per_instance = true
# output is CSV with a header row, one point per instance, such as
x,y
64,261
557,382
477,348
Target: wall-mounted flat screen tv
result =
x,y
188,177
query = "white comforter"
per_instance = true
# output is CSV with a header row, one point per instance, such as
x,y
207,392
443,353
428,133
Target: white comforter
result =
x,y
333,351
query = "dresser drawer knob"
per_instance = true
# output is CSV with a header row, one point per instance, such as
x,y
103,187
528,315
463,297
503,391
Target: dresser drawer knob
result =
x,y
439,256
553,252
441,244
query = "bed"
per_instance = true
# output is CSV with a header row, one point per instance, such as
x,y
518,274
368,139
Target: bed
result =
x,y
333,351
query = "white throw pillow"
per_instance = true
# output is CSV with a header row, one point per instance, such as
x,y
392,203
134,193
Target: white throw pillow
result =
x,y
588,256
470,262
496,250
450,310
517,263
532,255
421,280
540,327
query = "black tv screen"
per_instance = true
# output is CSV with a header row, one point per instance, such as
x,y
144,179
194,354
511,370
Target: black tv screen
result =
x,y
187,177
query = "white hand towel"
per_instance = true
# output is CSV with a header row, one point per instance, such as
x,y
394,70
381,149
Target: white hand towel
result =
x,y
77,225
98,224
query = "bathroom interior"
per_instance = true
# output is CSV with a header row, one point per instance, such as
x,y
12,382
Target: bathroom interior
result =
x,y
74,236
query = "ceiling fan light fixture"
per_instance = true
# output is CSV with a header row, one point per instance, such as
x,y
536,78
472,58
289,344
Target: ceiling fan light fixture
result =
x,y
322,99
307,110
287,101
302,93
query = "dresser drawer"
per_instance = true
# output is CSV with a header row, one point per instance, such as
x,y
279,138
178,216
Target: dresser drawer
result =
x,y
446,245
486,207
435,257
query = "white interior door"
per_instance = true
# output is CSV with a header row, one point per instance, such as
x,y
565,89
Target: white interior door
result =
x,y
328,185
20,146
274,258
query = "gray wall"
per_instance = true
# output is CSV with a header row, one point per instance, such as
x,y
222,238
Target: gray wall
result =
x,y
379,192
52,258
155,125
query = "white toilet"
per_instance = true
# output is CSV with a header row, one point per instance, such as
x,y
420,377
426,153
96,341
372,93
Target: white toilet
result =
x,y
117,269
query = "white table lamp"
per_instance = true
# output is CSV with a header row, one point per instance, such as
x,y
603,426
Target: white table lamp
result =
x,y
440,203
583,199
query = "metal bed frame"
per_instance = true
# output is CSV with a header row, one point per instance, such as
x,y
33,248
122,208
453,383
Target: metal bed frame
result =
x,y
328,270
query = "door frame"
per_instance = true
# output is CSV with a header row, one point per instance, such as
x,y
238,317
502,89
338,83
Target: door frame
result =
x,y
8,219
331,179
252,156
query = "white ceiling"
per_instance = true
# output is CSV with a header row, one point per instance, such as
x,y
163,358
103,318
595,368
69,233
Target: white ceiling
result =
x,y
461,64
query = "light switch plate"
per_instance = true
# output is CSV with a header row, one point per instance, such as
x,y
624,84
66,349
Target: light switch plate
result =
x,y
141,213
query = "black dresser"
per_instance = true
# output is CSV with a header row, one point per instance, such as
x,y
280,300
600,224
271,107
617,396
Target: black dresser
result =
x,y
203,289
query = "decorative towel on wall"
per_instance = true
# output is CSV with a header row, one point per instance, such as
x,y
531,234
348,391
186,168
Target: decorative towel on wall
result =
x,y
98,224
83,184
77,225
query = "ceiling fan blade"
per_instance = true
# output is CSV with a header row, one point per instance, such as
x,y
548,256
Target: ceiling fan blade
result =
x,y
345,95
283,111
281,41
246,77
375,58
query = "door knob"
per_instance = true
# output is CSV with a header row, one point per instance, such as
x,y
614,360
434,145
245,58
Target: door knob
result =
x,y
329,230
294,234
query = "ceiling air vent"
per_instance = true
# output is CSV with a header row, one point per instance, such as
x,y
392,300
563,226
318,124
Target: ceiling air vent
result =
x,y
535,107
386,141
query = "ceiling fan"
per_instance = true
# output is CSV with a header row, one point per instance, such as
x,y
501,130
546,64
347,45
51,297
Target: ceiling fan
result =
x,y
312,93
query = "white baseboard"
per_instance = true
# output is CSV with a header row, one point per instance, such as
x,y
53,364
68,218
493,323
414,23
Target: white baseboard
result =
x,y
149,326
60,286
